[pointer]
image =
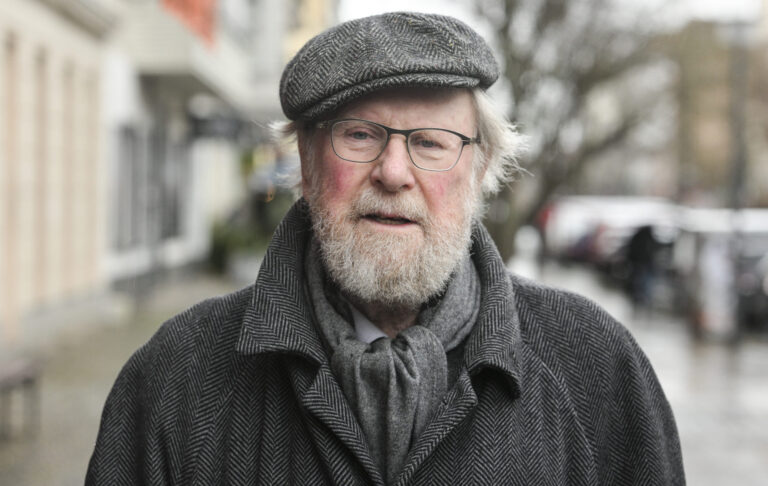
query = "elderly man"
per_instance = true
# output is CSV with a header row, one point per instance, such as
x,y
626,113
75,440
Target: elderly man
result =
x,y
383,341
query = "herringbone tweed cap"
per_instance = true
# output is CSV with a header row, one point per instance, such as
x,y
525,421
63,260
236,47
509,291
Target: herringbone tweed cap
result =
x,y
391,50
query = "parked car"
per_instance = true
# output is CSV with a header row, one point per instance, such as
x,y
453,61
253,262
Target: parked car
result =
x,y
752,286
723,257
596,229
711,264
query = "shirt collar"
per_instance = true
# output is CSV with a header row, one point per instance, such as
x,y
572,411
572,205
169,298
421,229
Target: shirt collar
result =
x,y
365,330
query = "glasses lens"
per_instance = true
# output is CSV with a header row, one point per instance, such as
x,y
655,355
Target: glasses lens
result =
x,y
434,149
357,140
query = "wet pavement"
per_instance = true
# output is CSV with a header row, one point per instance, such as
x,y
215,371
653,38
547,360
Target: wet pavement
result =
x,y
79,371
719,393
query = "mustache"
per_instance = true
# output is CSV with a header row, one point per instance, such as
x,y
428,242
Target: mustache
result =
x,y
403,206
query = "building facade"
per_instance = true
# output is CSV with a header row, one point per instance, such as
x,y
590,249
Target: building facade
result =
x,y
124,130
52,198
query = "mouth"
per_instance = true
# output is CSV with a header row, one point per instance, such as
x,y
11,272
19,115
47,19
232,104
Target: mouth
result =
x,y
388,219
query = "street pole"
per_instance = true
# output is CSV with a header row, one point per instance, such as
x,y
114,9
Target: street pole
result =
x,y
739,87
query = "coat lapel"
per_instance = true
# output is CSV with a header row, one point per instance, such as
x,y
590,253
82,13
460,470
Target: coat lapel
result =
x,y
325,401
456,405
280,320
493,346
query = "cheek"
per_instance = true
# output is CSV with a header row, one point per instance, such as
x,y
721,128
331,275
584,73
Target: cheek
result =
x,y
341,182
343,177
443,193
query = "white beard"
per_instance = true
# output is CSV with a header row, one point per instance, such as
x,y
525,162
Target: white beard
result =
x,y
387,267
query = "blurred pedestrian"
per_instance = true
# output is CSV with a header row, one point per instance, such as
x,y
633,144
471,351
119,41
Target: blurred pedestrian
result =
x,y
641,256
384,341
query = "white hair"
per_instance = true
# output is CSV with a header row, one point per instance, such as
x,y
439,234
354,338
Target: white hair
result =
x,y
500,145
499,148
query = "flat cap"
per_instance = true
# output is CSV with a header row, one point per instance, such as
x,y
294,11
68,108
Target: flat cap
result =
x,y
399,49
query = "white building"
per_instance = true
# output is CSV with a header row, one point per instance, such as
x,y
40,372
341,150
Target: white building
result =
x,y
122,129
178,77
52,179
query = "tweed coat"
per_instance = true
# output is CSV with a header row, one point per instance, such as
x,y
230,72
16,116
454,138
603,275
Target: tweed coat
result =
x,y
238,390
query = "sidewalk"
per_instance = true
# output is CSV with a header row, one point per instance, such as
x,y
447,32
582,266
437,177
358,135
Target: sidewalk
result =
x,y
78,373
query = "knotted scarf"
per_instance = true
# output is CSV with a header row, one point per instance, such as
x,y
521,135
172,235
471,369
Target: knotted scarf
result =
x,y
394,385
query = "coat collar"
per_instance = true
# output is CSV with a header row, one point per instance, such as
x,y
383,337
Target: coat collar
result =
x,y
280,317
494,344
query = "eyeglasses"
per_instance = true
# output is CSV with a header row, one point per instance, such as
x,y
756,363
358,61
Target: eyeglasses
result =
x,y
363,141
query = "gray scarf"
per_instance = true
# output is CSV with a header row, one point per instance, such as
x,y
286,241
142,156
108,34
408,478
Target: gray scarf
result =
x,y
394,385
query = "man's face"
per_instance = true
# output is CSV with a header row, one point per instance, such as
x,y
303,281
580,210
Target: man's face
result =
x,y
390,232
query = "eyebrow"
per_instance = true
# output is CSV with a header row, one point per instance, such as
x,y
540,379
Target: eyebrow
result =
x,y
344,115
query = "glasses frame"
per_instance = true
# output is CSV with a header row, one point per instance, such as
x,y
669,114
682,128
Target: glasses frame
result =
x,y
465,140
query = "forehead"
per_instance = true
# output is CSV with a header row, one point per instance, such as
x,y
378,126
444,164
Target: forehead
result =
x,y
416,108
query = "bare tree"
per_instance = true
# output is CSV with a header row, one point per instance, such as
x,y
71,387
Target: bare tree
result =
x,y
560,59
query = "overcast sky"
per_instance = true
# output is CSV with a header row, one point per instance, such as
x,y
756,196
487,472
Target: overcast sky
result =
x,y
351,9
723,10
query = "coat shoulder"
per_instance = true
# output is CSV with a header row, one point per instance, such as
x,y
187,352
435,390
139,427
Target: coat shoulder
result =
x,y
609,381
184,368
188,342
563,321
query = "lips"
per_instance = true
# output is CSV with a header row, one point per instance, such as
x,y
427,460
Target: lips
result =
x,y
392,219
396,211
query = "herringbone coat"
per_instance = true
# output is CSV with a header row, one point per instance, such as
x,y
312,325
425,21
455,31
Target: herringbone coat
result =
x,y
238,390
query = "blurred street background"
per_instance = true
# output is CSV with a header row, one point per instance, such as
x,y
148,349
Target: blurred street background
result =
x,y
138,176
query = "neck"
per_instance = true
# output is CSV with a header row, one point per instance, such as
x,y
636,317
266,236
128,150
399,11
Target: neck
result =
x,y
392,319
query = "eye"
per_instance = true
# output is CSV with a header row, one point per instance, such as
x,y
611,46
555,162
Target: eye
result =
x,y
358,135
423,140
353,131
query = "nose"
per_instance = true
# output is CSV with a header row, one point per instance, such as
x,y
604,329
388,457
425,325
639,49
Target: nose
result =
x,y
393,170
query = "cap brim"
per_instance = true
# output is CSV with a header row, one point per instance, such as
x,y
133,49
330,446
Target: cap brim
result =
x,y
332,103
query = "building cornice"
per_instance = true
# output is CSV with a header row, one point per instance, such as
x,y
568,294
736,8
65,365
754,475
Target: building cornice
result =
x,y
97,17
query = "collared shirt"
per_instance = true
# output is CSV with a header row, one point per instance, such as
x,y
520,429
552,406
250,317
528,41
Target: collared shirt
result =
x,y
366,330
